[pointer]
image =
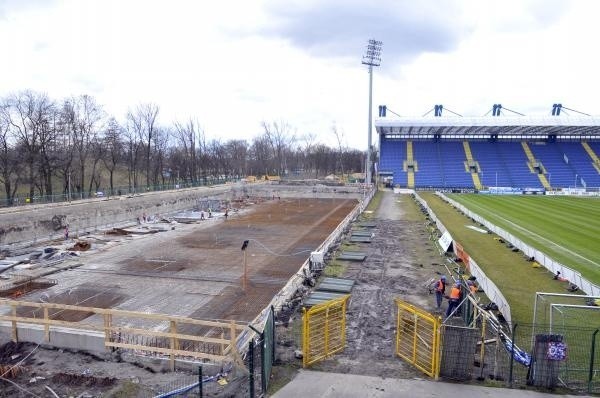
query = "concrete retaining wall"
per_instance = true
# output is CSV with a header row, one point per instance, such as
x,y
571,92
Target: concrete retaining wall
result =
x,y
22,226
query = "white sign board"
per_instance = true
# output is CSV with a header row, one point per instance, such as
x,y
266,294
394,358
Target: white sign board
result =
x,y
445,241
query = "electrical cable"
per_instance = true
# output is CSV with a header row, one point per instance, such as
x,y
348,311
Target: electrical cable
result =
x,y
510,110
573,110
279,255
19,387
21,361
427,113
457,114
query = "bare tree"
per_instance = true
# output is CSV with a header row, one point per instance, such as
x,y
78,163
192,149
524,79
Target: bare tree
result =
x,y
159,142
280,137
236,152
28,116
144,117
9,164
133,151
83,119
339,136
188,135
113,150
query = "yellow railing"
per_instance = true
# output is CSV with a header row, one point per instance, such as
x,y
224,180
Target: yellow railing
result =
x,y
590,151
410,159
468,153
323,330
531,163
418,338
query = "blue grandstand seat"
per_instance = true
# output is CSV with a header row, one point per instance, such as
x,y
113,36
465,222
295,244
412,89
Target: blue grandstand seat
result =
x,y
503,164
428,158
441,163
580,162
392,157
560,173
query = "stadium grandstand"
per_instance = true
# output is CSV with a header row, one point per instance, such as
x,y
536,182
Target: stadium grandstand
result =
x,y
534,153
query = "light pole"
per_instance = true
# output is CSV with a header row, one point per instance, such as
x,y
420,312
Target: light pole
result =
x,y
575,180
550,179
245,276
371,58
496,178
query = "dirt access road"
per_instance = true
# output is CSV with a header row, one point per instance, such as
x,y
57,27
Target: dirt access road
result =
x,y
400,260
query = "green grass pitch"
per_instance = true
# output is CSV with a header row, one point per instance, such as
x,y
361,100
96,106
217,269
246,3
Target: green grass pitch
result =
x,y
565,228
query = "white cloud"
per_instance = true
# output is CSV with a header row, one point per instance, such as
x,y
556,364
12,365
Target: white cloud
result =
x,y
234,64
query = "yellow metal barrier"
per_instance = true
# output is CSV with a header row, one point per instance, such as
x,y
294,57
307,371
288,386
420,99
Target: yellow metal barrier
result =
x,y
418,338
323,330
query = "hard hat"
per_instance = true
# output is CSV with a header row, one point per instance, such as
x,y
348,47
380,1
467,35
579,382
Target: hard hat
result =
x,y
443,277
457,284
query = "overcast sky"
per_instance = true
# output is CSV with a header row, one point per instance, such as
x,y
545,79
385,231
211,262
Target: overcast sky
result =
x,y
233,64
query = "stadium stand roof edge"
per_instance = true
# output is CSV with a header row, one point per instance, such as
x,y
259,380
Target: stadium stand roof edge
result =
x,y
521,127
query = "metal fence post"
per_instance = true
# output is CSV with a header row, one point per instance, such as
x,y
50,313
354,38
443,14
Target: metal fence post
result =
x,y
273,340
512,355
251,367
592,351
263,370
200,387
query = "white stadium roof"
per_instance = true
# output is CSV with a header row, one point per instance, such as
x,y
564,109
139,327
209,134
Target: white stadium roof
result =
x,y
502,127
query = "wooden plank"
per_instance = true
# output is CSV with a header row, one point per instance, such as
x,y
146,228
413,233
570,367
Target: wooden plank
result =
x,y
124,313
179,336
15,335
174,344
46,326
52,322
107,325
216,358
96,328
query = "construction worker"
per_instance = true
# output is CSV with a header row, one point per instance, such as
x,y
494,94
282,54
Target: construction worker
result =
x,y
454,299
472,287
440,291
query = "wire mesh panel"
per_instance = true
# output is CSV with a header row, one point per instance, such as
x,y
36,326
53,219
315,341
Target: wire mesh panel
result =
x,y
560,357
418,338
268,350
459,345
324,330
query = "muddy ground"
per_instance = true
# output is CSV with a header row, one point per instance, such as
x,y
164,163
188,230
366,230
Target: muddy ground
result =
x,y
193,270
401,259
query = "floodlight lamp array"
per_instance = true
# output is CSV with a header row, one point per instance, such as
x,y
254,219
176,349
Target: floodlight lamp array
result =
x,y
372,56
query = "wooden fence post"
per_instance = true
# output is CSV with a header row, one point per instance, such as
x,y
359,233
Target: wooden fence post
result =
x,y
15,335
46,326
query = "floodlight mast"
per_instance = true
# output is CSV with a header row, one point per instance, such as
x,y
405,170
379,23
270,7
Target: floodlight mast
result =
x,y
371,58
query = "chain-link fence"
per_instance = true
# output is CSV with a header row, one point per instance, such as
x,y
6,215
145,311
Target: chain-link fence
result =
x,y
103,192
543,355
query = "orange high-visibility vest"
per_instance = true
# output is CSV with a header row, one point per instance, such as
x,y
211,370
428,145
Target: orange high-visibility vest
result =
x,y
454,293
440,286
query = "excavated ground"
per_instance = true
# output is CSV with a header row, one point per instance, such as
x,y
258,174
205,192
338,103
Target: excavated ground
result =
x,y
401,259
194,270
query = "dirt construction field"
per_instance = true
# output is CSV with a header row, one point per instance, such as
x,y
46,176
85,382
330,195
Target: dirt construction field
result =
x,y
192,270
196,269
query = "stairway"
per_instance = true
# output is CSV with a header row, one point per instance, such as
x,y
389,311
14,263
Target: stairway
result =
x,y
474,175
590,151
409,158
531,162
